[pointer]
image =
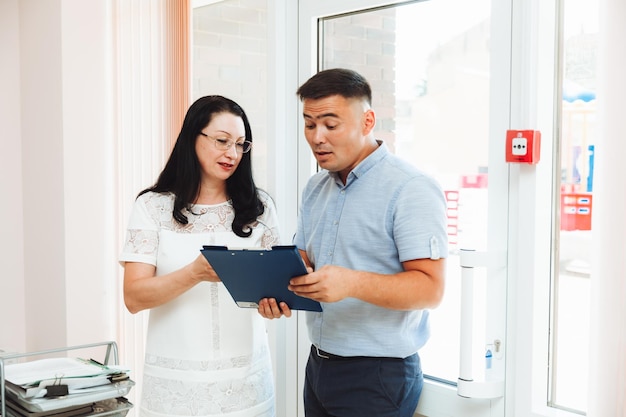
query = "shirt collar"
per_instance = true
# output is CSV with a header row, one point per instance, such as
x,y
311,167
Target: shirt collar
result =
x,y
365,165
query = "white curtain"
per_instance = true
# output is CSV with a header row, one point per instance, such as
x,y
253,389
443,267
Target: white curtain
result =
x,y
151,50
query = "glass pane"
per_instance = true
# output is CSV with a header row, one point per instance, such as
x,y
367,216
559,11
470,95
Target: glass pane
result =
x,y
229,51
429,71
579,130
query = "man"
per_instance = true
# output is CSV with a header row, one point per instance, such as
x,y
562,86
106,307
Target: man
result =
x,y
372,229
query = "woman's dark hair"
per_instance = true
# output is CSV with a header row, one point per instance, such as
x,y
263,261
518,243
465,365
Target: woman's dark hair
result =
x,y
336,81
181,174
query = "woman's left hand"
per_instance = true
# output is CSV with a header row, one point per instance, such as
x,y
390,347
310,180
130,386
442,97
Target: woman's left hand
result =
x,y
270,309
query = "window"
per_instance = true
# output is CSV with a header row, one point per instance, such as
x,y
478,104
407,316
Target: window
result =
x,y
229,49
570,335
427,67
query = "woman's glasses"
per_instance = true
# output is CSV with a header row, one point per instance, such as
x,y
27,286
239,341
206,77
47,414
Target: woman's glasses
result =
x,y
223,144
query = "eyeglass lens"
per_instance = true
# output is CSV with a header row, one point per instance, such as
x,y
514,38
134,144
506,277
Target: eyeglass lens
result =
x,y
224,144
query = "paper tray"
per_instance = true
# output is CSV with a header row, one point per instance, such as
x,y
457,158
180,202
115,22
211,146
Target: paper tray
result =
x,y
112,407
105,392
117,407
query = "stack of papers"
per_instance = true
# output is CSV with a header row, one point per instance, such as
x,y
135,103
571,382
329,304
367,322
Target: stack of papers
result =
x,y
62,386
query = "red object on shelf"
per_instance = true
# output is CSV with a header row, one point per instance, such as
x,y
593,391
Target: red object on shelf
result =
x,y
576,211
474,181
452,199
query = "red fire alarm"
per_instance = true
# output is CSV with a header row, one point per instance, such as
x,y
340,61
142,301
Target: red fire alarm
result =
x,y
523,146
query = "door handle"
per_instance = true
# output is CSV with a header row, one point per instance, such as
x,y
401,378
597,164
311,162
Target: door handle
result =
x,y
466,385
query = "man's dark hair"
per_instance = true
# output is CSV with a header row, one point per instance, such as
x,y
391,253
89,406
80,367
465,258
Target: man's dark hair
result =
x,y
181,174
336,81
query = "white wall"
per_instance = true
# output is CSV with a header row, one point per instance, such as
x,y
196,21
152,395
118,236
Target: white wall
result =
x,y
57,174
11,205
89,180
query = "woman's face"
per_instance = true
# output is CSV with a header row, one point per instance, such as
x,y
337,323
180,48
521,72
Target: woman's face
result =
x,y
218,164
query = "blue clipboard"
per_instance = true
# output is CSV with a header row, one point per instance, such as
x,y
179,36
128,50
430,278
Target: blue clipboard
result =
x,y
252,274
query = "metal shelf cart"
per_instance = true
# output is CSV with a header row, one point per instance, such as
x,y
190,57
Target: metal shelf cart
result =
x,y
116,406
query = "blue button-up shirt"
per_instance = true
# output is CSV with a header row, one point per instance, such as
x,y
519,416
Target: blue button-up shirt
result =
x,y
388,212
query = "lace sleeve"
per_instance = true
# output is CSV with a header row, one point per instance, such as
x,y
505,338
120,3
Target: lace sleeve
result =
x,y
141,242
142,235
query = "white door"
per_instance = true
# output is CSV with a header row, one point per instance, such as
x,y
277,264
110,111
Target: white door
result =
x,y
440,78
449,77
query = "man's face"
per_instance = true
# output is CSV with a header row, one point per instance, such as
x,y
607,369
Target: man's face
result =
x,y
336,129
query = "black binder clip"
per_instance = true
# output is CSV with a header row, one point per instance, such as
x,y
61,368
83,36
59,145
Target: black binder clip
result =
x,y
57,389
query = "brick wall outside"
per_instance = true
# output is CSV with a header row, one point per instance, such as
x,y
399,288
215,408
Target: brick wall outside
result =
x,y
229,55
365,43
230,58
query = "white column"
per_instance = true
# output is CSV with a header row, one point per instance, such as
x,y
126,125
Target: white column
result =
x,y
607,387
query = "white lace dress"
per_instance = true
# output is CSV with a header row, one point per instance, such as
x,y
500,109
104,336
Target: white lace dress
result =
x,y
204,355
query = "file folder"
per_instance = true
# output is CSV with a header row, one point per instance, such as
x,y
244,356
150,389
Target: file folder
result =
x,y
252,274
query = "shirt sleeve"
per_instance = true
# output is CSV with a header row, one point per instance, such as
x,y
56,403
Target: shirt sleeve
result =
x,y
420,226
142,235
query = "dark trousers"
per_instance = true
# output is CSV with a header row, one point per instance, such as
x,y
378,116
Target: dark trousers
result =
x,y
338,386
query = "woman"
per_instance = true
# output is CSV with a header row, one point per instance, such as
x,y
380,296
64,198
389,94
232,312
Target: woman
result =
x,y
204,355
